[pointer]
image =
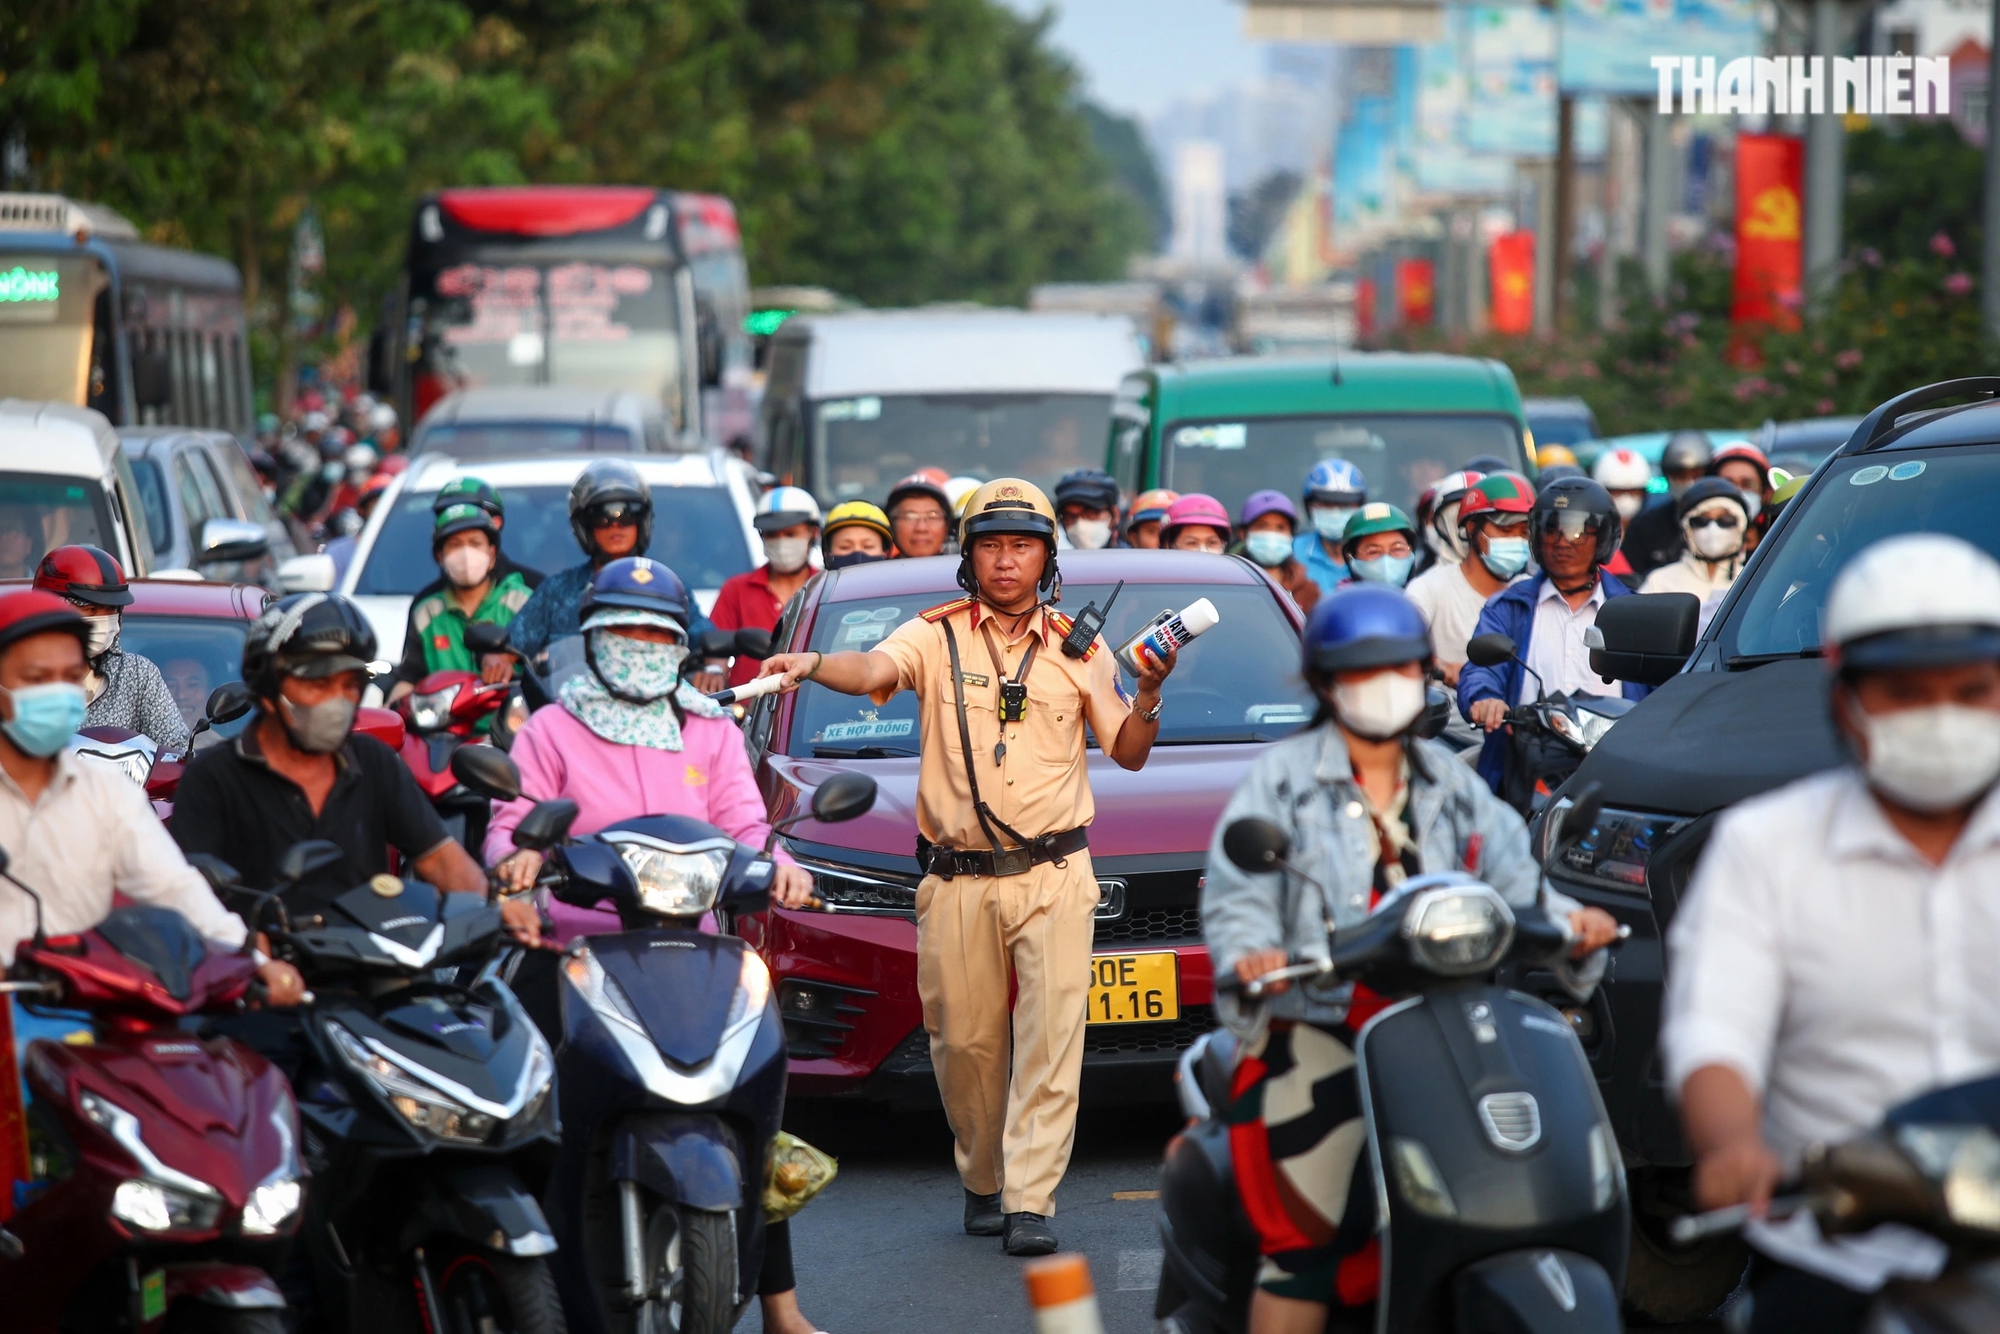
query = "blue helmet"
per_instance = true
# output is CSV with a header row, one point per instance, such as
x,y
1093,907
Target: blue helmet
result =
x,y
1336,482
637,583
1363,626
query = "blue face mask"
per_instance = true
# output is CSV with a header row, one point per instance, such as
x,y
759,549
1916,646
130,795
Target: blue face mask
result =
x,y
45,717
1330,521
1268,549
1505,557
1391,570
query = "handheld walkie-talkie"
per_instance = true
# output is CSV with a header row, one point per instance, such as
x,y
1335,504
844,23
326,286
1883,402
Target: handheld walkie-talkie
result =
x,y
1089,623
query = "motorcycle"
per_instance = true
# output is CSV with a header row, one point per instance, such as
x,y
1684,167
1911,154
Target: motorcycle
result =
x,y
1932,1166
672,1069
163,1176
1549,737
443,713
428,1109
1499,1191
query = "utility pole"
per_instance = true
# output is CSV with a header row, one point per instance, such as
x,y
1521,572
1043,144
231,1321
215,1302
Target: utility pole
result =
x,y
1826,152
1565,229
1989,278
1656,198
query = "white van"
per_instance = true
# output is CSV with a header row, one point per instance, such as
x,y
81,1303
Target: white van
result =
x,y
64,478
858,400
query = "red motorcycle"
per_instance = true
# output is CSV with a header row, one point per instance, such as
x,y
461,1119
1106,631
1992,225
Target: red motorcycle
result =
x,y
161,1180
442,714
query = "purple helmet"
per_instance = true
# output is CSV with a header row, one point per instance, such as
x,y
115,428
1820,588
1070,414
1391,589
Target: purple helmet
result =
x,y
1261,503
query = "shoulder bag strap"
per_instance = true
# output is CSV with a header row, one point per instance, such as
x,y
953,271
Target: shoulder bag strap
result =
x,y
987,820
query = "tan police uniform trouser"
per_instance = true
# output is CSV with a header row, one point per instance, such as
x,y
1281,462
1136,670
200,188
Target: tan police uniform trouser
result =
x,y
975,935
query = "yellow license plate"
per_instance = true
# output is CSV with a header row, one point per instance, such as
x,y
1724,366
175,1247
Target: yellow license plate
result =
x,y
1135,988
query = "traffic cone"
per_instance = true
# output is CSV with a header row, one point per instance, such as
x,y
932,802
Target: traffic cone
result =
x,y
1059,1289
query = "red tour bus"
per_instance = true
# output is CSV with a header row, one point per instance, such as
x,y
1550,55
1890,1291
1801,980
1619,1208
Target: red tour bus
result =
x,y
594,287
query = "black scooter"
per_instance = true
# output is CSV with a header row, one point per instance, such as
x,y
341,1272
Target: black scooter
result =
x,y
1549,737
672,1066
1500,1194
427,1109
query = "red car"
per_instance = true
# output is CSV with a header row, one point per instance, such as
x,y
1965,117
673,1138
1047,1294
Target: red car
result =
x,y
847,976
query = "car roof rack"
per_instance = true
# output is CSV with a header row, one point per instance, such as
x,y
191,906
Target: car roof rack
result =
x,y
1877,425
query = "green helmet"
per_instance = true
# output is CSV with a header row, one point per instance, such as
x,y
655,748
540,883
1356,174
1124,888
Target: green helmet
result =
x,y
463,517
1377,516
470,490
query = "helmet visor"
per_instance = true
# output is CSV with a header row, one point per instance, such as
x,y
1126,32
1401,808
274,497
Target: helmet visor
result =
x,y
615,513
1571,525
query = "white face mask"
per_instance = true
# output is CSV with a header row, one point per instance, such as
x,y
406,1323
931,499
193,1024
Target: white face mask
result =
x,y
1753,501
1628,503
1931,759
466,567
787,554
1715,542
1381,707
1089,534
102,632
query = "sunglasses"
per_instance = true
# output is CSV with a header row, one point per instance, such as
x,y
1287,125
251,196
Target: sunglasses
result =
x,y
1726,522
614,514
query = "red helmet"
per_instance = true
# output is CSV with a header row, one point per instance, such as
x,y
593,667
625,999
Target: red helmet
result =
x,y
84,574
1495,493
30,611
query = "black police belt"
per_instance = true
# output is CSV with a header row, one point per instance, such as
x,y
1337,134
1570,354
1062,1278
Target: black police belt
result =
x,y
1027,853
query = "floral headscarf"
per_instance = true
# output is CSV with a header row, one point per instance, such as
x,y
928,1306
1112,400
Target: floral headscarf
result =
x,y
647,676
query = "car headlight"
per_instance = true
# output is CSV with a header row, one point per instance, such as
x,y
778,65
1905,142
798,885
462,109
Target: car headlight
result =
x,y
165,1199
432,710
422,1106
1460,930
674,881
1617,851
271,1205
1965,1161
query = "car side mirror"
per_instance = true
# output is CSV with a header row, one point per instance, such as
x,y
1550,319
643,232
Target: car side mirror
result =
x,y
231,540
546,825
486,637
228,702
1491,649
1645,638
1255,846
315,573
486,772
845,796
302,859
752,642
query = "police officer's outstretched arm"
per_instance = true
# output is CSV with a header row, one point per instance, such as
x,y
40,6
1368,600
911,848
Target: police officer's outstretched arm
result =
x,y
850,673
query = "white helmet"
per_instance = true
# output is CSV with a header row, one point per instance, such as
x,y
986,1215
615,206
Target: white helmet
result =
x,y
784,507
958,490
1917,600
360,458
381,417
1622,470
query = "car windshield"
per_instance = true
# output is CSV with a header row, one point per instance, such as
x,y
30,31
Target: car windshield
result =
x,y
1399,454
194,653
38,511
696,532
865,445
1239,682
488,440
1860,501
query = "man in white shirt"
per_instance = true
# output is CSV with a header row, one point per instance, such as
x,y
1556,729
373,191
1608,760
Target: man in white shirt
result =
x,y
1834,956
1492,526
77,831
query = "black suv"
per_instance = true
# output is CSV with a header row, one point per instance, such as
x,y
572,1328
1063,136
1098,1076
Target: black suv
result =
x,y
1741,708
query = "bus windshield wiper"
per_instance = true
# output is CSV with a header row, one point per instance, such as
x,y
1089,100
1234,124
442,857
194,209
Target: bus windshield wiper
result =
x,y
862,752
1740,661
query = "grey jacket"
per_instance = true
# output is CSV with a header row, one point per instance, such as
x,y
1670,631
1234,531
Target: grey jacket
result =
x,y
135,696
1305,785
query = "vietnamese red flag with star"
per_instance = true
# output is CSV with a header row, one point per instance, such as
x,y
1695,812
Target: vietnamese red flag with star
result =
x,y
1770,247
1510,265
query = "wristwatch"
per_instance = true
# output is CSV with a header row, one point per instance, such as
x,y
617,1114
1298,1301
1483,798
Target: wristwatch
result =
x,y
1152,715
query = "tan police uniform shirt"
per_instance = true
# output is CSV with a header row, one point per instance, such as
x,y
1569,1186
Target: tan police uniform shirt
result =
x,y
1040,785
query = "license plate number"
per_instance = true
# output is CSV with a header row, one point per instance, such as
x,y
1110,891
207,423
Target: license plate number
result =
x,y
1135,988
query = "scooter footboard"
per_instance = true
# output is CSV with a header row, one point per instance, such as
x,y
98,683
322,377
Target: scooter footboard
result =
x,y
692,1160
484,1203
1547,1291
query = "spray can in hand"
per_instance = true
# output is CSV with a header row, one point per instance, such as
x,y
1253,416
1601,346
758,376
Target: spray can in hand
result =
x,y
1165,633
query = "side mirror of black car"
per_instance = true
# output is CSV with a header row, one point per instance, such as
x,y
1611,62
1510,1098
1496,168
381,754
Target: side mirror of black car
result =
x,y
546,825
486,637
1491,649
1436,715
487,772
1255,845
752,642
591,873
1644,638
302,859
844,796
228,702
219,873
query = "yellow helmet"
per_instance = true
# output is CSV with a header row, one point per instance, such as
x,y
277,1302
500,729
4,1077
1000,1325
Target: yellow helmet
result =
x,y
1550,455
853,514
1007,505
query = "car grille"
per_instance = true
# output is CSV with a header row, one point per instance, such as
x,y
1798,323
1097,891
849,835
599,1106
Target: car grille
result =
x,y
912,1055
1179,926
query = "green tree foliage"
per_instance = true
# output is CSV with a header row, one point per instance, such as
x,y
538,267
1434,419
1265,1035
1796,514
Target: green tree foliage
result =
x,y
1123,144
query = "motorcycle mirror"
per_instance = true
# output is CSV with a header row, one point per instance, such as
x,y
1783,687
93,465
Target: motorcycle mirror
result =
x,y
486,771
714,643
844,796
752,642
486,637
228,702
219,873
1255,845
302,859
1584,809
1490,649
546,825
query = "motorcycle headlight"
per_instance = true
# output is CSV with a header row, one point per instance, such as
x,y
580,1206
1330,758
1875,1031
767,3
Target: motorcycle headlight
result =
x,y
1418,1180
165,1199
1593,726
674,881
1617,851
432,710
418,1103
1459,930
271,1205
753,990
1965,1161
1607,1167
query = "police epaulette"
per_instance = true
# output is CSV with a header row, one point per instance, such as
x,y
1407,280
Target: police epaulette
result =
x,y
1064,624
938,613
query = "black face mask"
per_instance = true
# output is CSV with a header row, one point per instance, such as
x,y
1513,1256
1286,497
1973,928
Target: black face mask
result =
x,y
853,558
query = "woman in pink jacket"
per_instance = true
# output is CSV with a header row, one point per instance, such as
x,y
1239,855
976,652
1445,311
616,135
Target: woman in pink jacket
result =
x,y
630,738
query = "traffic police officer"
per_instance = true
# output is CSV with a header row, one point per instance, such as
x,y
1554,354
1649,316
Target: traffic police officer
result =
x,y
1003,809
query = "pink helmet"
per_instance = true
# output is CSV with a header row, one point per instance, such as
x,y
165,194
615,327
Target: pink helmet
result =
x,y
1191,510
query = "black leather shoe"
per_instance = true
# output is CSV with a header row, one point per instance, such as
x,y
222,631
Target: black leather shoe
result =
x,y
982,1215
1029,1234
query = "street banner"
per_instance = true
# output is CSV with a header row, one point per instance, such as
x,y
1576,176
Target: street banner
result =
x,y
1770,257
1416,292
1510,261
1513,77
1607,46
1364,306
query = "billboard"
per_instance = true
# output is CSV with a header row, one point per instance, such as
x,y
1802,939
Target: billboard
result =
x,y
1444,164
1607,45
1512,72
